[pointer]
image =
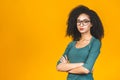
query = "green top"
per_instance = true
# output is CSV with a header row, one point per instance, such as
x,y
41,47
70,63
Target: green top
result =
x,y
87,55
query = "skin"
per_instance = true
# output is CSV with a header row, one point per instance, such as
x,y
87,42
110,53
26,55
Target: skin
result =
x,y
86,36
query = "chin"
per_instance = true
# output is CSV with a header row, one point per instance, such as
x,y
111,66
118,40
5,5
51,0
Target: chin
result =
x,y
82,32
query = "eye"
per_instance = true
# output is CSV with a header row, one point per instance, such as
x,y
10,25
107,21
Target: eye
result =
x,y
86,21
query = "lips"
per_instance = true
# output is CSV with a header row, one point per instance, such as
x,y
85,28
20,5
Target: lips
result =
x,y
81,28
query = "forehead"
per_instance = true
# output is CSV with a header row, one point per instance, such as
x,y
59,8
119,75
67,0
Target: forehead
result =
x,y
83,16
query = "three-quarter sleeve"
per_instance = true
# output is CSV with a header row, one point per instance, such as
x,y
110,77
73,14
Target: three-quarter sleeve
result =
x,y
65,52
93,54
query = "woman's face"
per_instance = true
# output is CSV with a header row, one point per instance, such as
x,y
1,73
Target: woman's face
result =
x,y
83,23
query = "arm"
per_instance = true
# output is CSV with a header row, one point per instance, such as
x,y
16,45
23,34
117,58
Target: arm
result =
x,y
88,65
68,66
65,66
79,70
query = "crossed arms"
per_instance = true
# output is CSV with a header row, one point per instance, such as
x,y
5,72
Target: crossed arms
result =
x,y
75,68
80,68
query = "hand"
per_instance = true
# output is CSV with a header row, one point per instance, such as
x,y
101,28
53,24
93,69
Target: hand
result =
x,y
64,59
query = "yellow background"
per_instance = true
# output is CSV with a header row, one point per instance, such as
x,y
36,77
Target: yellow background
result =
x,y
32,38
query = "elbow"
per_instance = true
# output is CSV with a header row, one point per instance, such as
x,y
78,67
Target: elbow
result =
x,y
86,71
59,67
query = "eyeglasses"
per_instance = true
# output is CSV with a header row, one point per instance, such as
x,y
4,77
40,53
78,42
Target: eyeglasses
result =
x,y
84,22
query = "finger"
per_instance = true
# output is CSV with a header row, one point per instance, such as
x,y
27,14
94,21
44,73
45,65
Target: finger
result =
x,y
66,57
62,59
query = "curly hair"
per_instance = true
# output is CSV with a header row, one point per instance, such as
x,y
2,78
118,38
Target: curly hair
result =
x,y
96,30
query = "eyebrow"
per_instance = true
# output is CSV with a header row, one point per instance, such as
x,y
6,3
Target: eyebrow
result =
x,y
82,20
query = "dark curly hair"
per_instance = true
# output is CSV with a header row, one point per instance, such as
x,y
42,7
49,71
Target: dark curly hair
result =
x,y
96,30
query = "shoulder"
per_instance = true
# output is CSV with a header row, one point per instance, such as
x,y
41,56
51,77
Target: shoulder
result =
x,y
96,42
71,43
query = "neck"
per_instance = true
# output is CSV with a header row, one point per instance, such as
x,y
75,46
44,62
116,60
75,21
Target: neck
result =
x,y
86,35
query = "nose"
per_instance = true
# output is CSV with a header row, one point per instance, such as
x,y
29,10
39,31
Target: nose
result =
x,y
81,24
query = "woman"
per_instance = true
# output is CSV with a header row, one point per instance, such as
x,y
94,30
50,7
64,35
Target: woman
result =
x,y
86,30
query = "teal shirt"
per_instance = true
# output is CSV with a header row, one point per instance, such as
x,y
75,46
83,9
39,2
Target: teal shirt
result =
x,y
87,55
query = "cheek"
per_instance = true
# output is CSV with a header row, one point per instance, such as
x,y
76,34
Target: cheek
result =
x,y
88,27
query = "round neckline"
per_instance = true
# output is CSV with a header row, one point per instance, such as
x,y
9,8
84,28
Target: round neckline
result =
x,y
84,46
